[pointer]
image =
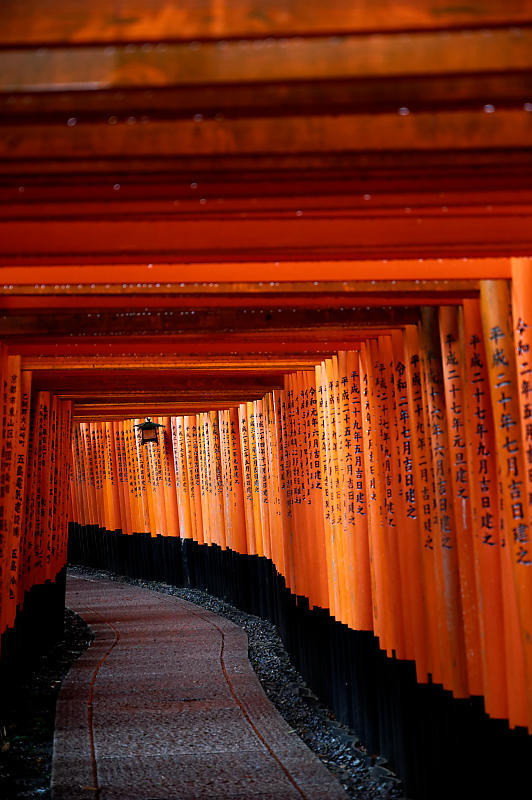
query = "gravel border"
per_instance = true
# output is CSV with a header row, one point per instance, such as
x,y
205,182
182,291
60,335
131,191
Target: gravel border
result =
x,y
363,777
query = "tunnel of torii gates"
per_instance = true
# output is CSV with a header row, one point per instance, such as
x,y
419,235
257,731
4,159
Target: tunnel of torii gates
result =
x,y
298,236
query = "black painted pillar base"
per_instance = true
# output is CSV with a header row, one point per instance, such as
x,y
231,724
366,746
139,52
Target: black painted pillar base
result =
x,y
38,625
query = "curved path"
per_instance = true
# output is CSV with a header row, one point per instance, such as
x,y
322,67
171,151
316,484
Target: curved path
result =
x,y
164,705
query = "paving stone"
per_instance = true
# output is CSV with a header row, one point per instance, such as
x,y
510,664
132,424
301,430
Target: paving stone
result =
x,y
165,706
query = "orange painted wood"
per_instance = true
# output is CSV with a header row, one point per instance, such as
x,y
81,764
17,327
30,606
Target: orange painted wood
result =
x,y
206,515
345,490
374,490
456,129
454,668
522,324
40,485
282,272
38,23
342,533
319,445
97,67
217,485
392,517
278,486
285,479
64,472
41,23
80,476
363,615
271,466
292,482
502,696
458,433
302,515
156,475
398,521
121,475
166,458
125,476
184,490
161,464
522,327
11,389
255,478
327,444
500,348
313,238
411,463
138,519
312,499
426,505
192,450
113,473
263,487
247,479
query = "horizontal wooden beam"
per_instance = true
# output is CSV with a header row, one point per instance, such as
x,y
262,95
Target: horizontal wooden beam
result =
x,y
100,67
274,278
272,99
465,166
197,202
399,131
338,189
103,412
130,406
184,331
406,235
131,305
143,396
257,365
95,383
268,350
46,22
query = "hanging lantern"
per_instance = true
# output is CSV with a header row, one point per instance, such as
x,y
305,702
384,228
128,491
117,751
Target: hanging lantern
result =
x,y
148,431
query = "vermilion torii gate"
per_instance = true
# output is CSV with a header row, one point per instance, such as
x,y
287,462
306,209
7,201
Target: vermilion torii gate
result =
x,y
202,207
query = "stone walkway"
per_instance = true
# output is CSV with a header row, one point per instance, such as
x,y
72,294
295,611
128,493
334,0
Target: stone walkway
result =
x,y
165,706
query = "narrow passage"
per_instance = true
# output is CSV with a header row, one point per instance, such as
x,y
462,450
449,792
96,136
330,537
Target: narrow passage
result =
x,y
165,706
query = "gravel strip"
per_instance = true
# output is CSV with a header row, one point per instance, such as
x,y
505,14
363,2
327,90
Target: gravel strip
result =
x,y
362,776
